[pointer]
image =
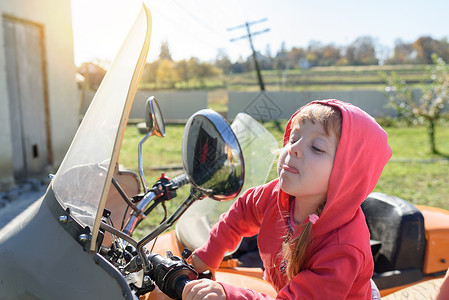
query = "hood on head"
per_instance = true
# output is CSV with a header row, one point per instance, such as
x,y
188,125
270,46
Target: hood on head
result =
x,y
362,153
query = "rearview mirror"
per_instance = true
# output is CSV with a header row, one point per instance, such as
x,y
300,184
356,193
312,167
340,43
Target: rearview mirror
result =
x,y
212,157
153,118
155,126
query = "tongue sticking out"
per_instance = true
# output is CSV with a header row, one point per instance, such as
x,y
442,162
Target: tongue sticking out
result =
x,y
290,169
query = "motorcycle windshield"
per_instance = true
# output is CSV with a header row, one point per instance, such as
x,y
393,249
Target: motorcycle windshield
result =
x,y
83,179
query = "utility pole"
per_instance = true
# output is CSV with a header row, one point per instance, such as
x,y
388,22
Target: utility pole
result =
x,y
249,35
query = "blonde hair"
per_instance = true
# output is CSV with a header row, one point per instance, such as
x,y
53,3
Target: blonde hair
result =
x,y
326,115
296,251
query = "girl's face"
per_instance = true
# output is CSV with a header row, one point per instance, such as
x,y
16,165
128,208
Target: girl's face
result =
x,y
305,163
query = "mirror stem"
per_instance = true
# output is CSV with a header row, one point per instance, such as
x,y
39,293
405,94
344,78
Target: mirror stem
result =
x,y
194,195
140,162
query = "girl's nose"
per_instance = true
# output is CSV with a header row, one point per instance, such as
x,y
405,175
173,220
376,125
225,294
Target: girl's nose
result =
x,y
295,150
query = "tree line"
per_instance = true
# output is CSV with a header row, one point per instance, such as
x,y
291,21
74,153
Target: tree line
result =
x,y
362,51
165,73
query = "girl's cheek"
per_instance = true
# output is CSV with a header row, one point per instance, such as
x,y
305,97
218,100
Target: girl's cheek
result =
x,y
283,154
281,160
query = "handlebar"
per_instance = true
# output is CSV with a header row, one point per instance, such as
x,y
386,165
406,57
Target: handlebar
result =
x,y
164,186
180,180
135,218
171,274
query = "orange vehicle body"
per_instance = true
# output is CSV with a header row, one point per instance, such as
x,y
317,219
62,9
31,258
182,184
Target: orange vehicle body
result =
x,y
436,258
437,232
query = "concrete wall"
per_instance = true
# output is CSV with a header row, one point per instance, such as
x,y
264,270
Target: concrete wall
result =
x,y
281,105
56,21
179,106
176,107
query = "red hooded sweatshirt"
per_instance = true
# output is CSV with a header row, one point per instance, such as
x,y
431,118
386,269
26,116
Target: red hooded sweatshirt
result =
x,y
340,265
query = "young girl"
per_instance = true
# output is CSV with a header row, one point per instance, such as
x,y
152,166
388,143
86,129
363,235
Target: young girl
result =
x,y
313,238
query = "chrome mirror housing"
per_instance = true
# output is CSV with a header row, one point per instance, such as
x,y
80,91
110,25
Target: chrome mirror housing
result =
x,y
153,118
212,157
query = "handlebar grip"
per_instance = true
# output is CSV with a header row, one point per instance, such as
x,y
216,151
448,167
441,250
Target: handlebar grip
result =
x,y
180,285
180,180
182,281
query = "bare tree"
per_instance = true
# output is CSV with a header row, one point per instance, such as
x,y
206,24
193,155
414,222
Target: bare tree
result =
x,y
222,61
362,52
404,53
427,107
425,47
165,52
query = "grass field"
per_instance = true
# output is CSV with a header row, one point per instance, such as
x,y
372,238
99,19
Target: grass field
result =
x,y
328,78
412,174
316,78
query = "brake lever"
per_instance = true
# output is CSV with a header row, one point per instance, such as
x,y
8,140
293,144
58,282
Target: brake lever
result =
x,y
186,253
206,275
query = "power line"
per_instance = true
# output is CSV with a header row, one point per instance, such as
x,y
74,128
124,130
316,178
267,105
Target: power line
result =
x,y
249,35
189,32
193,16
202,23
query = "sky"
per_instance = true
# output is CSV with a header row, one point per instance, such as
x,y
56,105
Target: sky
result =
x,y
199,28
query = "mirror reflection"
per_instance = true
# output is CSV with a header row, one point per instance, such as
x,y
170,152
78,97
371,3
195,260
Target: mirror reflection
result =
x,y
212,157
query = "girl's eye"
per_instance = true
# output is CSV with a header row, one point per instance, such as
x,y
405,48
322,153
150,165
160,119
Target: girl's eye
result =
x,y
317,150
293,140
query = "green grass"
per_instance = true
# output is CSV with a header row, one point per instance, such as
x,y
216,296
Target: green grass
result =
x,y
417,182
412,174
333,78
170,146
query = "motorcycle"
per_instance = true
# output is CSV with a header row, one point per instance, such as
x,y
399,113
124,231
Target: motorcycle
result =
x,y
76,242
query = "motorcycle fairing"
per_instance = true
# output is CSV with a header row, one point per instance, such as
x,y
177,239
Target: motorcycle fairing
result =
x,y
70,225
